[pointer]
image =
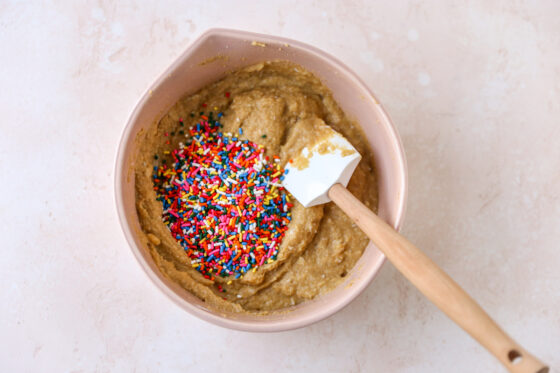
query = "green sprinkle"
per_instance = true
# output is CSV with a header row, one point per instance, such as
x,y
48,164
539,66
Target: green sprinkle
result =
x,y
264,136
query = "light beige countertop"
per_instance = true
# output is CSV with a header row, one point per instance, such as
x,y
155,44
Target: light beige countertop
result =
x,y
473,90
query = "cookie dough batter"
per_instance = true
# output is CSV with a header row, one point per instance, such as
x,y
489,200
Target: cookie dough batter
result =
x,y
277,104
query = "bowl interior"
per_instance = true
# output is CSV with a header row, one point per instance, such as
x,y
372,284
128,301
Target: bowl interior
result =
x,y
208,59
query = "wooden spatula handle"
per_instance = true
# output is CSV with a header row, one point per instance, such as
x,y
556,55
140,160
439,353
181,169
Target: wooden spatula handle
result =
x,y
437,286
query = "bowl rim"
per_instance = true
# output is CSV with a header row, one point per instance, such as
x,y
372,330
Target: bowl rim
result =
x,y
250,326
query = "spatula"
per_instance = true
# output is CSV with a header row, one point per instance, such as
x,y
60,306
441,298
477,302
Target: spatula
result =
x,y
320,173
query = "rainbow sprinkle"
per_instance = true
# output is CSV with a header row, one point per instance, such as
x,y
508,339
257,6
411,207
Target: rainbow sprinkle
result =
x,y
223,200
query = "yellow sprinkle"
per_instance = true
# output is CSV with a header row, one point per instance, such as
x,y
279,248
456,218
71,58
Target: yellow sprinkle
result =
x,y
276,174
229,282
254,269
166,152
215,108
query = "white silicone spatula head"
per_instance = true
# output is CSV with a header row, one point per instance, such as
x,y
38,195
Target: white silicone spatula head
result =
x,y
330,160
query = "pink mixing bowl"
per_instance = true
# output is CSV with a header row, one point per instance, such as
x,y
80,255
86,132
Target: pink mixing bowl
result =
x,y
209,58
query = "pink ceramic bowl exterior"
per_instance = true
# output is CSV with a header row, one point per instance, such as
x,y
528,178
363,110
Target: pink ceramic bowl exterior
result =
x,y
209,58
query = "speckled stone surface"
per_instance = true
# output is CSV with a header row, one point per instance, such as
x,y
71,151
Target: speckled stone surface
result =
x,y
473,90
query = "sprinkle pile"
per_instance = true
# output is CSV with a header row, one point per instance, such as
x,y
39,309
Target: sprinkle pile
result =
x,y
223,200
